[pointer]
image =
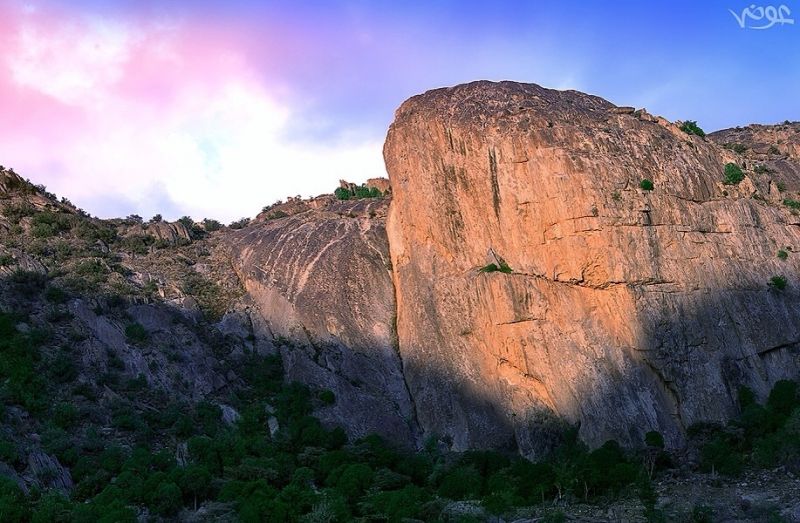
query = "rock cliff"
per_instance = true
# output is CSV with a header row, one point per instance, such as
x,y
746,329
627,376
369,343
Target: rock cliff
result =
x,y
620,309
318,275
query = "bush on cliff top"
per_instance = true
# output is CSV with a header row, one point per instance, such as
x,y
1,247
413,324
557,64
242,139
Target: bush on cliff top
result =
x,y
357,193
691,127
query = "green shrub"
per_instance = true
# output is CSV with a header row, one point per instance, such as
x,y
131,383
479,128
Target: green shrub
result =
x,y
42,230
65,415
691,127
62,368
359,192
461,482
211,225
13,504
93,232
733,174
782,254
654,439
783,398
15,212
138,243
367,192
792,204
55,295
761,169
47,223
52,507
277,215
9,453
21,383
397,505
327,397
738,148
646,185
778,282
342,193
239,224
719,455
136,333
351,480
166,499
492,267
195,483
28,283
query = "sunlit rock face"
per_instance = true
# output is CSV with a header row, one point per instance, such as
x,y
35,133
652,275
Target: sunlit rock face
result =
x,y
318,275
625,311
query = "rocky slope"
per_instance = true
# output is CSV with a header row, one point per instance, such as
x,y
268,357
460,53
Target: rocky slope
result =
x,y
623,310
516,277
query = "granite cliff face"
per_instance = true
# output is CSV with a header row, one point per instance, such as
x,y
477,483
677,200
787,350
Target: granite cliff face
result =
x,y
318,276
624,311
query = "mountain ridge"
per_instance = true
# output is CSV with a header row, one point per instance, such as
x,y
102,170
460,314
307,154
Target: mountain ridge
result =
x,y
515,280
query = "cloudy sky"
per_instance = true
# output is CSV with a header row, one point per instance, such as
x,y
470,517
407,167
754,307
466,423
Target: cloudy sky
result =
x,y
214,109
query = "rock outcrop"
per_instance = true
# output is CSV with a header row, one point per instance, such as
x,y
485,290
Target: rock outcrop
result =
x,y
10,181
619,309
318,275
772,142
170,233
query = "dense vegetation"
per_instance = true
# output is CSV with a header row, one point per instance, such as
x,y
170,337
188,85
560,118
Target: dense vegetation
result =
x,y
307,472
691,127
357,192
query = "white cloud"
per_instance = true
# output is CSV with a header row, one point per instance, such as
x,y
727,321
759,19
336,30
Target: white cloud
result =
x,y
218,148
72,63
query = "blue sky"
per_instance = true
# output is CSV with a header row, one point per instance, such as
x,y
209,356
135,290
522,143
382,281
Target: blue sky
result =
x,y
286,98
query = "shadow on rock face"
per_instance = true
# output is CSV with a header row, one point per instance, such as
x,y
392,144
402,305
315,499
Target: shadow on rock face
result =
x,y
691,362
319,282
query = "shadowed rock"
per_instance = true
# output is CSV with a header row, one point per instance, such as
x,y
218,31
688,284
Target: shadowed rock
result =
x,y
320,278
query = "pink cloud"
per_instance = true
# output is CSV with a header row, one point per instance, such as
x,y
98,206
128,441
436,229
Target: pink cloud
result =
x,y
122,108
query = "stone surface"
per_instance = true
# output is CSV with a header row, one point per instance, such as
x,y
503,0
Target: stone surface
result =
x,y
169,232
767,141
626,310
48,473
319,277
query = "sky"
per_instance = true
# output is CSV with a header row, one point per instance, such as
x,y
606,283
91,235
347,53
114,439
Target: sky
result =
x,y
215,109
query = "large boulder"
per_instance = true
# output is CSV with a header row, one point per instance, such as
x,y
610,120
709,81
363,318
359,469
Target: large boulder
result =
x,y
620,309
318,275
